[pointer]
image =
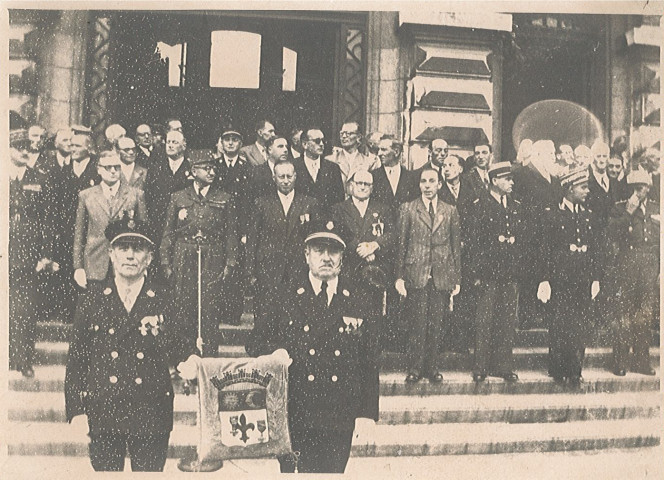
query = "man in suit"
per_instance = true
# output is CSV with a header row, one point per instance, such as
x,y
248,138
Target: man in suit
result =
x,y
124,338
370,234
393,183
317,177
201,216
478,175
276,232
333,380
582,156
634,230
37,155
295,142
166,176
428,272
97,207
26,255
600,197
143,140
348,157
617,178
132,174
568,270
438,151
497,258
256,153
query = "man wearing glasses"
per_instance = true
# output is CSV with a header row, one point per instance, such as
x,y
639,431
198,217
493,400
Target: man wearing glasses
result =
x,y
132,174
97,207
348,157
317,177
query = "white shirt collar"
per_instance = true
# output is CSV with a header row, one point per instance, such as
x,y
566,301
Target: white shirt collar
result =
x,y
230,161
600,176
271,165
331,286
569,205
15,172
62,161
313,166
434,201
79,167
127,170
110,190
175,164
129,292
497,196
286,200
145,150
201,191
361,205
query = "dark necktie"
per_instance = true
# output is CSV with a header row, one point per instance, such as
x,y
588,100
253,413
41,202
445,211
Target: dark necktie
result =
x,y
432,215
322,295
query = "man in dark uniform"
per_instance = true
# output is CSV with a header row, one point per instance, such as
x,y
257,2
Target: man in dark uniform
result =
x,y
569,269
370,232
117,376
234,177
200,216
496,260
333,379
634,229
277,230
26,258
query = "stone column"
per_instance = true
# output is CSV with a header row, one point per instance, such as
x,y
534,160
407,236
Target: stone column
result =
x,y
61,70
385,84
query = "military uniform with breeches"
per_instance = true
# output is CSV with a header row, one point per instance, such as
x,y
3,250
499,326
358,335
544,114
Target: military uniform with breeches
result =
x,y
117,374
635,240
570,261
214,217
497,258
334,375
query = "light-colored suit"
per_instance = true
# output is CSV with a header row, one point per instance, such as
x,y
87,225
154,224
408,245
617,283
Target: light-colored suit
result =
x,y
137,179
429,251
253,154
360,162
93,215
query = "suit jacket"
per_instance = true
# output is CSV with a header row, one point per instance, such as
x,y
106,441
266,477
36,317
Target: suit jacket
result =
x,y
362,162
160,183
261,182
275,241
253,154
334,375
407,188
377,226
328,188
598,200
137,179
142,159
465,203
117,375
618,190
533,190
92,217
475,181
429,250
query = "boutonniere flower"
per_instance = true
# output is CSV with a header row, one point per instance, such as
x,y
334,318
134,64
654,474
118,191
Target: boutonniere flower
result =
x,y
353,325
92,183
151,324
304,218
182,214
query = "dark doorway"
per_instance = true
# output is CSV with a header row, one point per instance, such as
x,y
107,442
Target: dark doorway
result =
x,y
292,81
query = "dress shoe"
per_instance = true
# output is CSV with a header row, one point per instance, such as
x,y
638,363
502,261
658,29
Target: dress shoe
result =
x,y
413,378
436,377
27,372
645,370
620,372
479,377
510,377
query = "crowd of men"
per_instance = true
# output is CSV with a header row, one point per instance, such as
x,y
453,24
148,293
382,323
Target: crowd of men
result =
x,y
453,255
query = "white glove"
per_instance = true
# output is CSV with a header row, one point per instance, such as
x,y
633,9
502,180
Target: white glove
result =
x,y
544,292
189,368
594,289
80,278
400,286
79,424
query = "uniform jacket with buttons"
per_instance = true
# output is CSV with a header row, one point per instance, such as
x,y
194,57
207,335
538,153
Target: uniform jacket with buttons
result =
x,y
500,246
236,180
214,216
429,250
334,375
93,214
117,372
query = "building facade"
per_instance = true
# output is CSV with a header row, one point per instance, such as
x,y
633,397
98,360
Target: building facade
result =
x,y
464,77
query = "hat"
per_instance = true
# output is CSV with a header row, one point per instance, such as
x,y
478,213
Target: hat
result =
x,y
574,177
128,229
201,157
229,129
325,231
19,138
500,169
81,130
639,176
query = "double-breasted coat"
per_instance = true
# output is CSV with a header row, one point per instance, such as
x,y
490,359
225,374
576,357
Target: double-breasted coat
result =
x,y
117,368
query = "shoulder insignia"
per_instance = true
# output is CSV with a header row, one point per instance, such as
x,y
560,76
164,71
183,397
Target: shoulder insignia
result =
x,y
516,201
300,290
346,293
107,291
548,209
150,293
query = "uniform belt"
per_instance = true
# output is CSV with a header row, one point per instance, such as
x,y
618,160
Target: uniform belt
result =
x,y
504,239
578,248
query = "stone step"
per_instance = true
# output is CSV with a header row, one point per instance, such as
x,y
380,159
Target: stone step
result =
x,y
45,438
50,378
625,463
58,331
397,410
532,358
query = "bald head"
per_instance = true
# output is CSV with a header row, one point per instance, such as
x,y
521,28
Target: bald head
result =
x,y
361,185
600,153
544,154
175,144
583,155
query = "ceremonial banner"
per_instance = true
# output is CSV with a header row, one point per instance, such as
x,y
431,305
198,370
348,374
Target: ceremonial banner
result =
x,y
243,407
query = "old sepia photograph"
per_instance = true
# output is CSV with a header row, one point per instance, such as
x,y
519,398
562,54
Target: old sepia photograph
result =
x,y
400,240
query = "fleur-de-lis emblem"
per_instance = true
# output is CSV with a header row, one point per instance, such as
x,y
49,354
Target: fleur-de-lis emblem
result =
x,y
244,427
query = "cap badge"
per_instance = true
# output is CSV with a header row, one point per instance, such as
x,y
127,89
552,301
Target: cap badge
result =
x,y
329,225
150,293
182,214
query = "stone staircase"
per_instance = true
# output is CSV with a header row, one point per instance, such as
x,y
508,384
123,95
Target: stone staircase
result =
x,y
457,417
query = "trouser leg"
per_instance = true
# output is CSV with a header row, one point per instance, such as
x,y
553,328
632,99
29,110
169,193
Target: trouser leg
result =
x,y
504,325
483,322
437,315
107,452
417,314
148,452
